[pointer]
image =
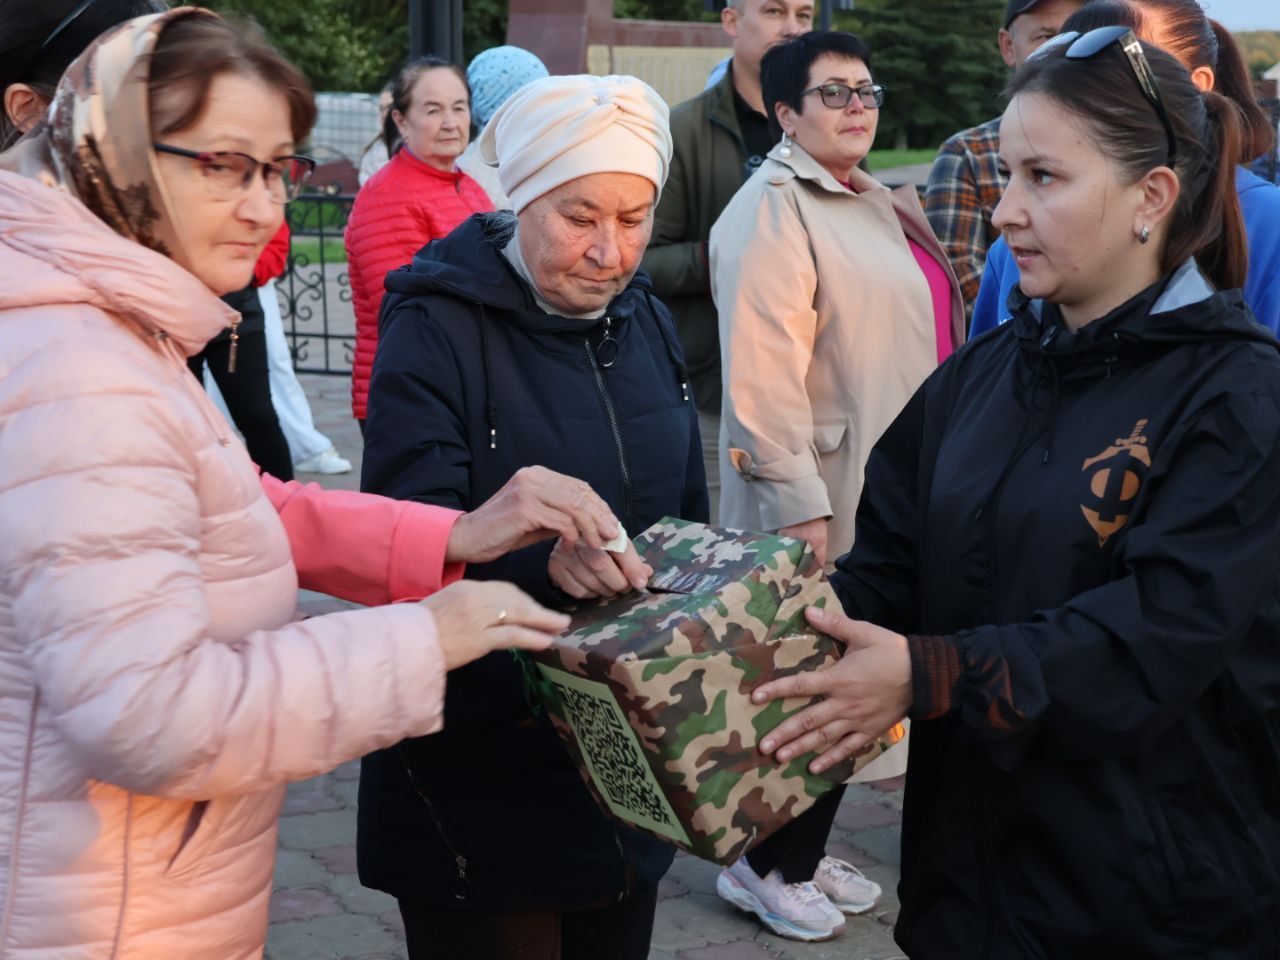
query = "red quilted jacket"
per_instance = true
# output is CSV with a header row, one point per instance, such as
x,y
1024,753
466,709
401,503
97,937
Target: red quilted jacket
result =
x,y
403,206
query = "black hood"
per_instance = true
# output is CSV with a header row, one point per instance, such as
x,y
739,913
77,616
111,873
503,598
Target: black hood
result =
x,y
1181,308
468,264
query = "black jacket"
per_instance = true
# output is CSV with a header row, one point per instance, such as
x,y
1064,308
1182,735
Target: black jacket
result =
x,y
1080,535
472,382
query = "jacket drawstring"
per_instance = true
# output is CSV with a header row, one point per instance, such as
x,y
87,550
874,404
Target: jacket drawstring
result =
x,y
490,408
1055,399
682,374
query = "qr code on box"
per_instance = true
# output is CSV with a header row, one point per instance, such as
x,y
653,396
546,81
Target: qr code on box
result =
x,y
613,755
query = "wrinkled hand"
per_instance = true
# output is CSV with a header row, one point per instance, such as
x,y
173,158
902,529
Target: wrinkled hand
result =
x,y
866,691
812,531
533,505
584,572
476,617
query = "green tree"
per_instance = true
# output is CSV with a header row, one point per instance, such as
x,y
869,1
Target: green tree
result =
x,y
939,62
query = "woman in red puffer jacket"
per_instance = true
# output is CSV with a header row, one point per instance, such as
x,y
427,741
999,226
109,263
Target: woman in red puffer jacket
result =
x,y
418,197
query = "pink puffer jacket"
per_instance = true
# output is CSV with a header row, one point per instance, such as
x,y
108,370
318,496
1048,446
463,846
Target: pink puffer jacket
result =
x,y
154,694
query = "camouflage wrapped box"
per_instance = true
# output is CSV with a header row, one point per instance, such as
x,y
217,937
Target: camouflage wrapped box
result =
x,y
652,692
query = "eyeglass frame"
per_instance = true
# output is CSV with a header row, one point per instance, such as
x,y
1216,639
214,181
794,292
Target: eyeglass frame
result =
x,y
878,92
205,156
1139,66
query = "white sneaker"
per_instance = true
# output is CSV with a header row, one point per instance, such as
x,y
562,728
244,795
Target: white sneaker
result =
x,y
845,886
327,462
797,911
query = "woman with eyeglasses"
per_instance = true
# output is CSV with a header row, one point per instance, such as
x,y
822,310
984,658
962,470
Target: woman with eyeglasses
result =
x,y
156,692
1210,53
835,302
1067,564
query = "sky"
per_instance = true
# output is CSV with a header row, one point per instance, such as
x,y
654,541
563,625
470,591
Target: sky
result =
x,y
1245,14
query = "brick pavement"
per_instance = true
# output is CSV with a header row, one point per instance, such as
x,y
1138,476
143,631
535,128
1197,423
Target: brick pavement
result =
x,y
319,911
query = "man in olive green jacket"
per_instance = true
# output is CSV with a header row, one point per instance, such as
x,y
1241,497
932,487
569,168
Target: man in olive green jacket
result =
x,y
719,137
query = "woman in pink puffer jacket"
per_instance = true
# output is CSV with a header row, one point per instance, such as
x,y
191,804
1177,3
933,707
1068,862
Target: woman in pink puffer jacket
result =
x,y
155,691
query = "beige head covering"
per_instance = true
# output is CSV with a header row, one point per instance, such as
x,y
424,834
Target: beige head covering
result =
x,y
97,141
560,128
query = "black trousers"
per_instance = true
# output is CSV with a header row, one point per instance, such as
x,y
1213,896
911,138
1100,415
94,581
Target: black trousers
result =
x,y
798,848
618,932
248,396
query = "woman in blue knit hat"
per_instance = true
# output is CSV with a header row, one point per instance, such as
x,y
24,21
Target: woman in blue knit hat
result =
x,y
493,76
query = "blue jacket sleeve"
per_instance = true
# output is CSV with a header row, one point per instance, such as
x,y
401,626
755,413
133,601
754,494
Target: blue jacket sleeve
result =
x,y
998,278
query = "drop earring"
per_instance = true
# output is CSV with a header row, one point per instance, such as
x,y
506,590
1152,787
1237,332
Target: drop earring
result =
x,y
1145,235
784,147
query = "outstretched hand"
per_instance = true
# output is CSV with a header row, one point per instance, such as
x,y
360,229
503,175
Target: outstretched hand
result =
x,y
474,618
534,505
866,692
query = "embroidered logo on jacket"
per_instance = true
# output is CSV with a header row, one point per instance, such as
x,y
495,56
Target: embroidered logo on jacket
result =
x,y
1113,480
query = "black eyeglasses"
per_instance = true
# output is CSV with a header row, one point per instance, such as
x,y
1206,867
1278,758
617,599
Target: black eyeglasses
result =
x,y
837,95
1088,45
228,174
52,38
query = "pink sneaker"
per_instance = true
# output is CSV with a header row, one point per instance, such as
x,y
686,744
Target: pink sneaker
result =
x,y
845,886
797,911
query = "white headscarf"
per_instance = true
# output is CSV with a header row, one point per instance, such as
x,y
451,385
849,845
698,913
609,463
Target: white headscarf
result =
x,y
560,128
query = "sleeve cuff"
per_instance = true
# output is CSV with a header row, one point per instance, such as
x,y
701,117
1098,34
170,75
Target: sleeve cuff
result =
x,y
935,676
417,565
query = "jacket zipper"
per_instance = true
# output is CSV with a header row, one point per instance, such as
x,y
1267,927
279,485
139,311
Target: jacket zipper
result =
x,y
613,425
463,886
626,873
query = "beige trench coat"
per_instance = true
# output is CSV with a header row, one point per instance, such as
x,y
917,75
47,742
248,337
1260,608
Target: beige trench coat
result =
x,y
826,330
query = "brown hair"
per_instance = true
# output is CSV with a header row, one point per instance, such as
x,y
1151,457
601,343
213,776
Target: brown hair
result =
x,y
1197,41
193,50
1206,222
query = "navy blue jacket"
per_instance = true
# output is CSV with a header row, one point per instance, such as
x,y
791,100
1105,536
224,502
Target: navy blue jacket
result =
x,y
1080,535
471,382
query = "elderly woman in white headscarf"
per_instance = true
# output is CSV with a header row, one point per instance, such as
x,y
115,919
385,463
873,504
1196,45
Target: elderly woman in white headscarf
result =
x,y
528,338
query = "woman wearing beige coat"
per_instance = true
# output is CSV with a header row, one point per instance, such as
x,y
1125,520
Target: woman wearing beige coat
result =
x,y
835,301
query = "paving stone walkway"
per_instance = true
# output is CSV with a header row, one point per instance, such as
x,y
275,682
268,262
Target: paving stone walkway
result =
x,y
320,912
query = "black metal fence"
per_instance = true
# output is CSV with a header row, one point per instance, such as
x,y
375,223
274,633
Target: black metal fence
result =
x,y
315,291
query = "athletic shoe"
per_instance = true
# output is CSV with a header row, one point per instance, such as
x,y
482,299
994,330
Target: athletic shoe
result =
x,y
845,886
797,911
327,462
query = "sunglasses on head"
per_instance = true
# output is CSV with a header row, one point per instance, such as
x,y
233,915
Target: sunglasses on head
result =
x,y
1086,46
52,38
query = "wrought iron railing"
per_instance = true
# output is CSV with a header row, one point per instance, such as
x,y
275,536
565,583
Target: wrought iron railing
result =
x,y
315,290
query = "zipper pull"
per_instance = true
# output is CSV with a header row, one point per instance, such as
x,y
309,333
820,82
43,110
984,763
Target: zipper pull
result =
x,y
235,344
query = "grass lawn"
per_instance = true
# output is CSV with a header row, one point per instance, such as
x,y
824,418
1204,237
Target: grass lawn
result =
x,y
884,159
334,251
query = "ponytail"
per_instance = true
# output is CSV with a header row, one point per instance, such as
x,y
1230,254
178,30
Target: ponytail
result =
x,y
1232,80
1210,226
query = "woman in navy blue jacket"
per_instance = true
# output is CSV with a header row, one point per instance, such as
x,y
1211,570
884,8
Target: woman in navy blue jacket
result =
x,y
524,339
1067,559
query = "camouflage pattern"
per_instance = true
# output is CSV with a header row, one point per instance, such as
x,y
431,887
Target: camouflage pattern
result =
x,y
724,613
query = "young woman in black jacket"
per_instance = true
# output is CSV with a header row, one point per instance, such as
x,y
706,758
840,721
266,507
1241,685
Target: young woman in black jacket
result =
x,y
1067,560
